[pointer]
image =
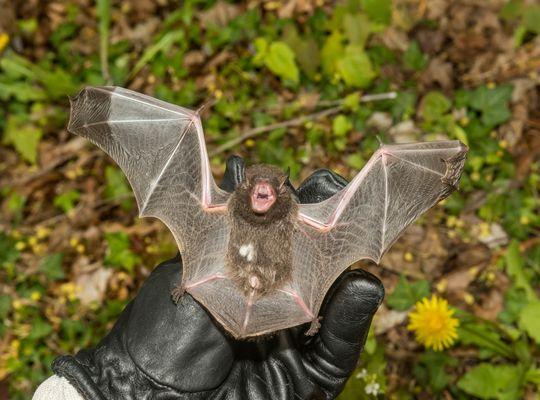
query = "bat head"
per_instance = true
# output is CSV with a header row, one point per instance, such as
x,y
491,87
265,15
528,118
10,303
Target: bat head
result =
x,y
264,195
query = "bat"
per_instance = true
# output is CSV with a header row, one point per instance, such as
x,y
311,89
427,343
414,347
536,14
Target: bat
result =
x,y
255,258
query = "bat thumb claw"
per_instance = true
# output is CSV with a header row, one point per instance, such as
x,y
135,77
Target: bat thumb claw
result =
x,y
177,293
314,327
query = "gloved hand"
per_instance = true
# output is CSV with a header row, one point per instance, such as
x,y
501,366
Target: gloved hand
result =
x,y
159,350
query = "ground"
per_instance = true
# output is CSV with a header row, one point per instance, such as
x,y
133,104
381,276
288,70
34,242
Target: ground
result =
x,y
295,83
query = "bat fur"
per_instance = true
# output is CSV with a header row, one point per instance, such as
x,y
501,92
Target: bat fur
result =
x,y
259,254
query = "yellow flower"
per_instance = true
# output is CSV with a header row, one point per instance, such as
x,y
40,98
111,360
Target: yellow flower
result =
x,y
433,324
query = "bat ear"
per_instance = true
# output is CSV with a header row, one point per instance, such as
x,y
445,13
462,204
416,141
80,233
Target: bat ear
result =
x,y
286,182
235,173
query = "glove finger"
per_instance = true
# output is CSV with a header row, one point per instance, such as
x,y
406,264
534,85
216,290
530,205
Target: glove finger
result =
x,y
346,317
320,185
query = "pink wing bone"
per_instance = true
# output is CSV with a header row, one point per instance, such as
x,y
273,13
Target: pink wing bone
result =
x,y
208,185
443,159
346,194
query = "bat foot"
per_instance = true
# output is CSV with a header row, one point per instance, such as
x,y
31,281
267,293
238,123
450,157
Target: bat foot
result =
x,y
314,327
177,293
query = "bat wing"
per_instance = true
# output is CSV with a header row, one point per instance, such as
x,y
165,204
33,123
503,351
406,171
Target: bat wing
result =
x,y
397,185
160,148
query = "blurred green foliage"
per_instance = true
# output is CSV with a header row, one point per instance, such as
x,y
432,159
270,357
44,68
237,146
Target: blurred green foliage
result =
x,y
270,64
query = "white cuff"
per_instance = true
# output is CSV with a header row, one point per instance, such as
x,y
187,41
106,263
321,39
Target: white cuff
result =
x,y
56,388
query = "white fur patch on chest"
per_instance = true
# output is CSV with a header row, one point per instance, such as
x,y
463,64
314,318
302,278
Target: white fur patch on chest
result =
x,y
247,251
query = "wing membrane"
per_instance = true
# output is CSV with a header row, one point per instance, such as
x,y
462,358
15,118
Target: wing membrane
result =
x,y
397,185
160,148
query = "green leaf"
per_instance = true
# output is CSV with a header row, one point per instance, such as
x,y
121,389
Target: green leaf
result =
x,y
58,83
511,10
40,329
379,11
533,376
492,103
51,266
332,51
488,381
341,125
514,301
116,186
23,136
434,105
355,67
356,161
406,294
414,58
21,91
431,369
103,10
352,101
15,205
531,18
305,49
261,47
5,306
404,105
514,268
66,201
357,29
280,60
162,45
529,320
484,336
8,252
119,253
460,134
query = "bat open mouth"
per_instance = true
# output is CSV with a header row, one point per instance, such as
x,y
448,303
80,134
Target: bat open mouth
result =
x,y
263,197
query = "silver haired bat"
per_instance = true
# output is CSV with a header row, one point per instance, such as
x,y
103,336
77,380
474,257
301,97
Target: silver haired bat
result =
x,y
262,215
256,259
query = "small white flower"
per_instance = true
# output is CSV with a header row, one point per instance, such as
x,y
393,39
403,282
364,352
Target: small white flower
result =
x,y
362,374
372,388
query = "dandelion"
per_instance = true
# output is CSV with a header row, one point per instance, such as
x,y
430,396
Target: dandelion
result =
x,y
433,323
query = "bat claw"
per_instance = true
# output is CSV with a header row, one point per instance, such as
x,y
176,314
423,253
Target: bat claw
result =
x,y
177,293
314,327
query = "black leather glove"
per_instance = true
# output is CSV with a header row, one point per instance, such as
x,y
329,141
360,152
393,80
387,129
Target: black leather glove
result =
x,y
158,350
